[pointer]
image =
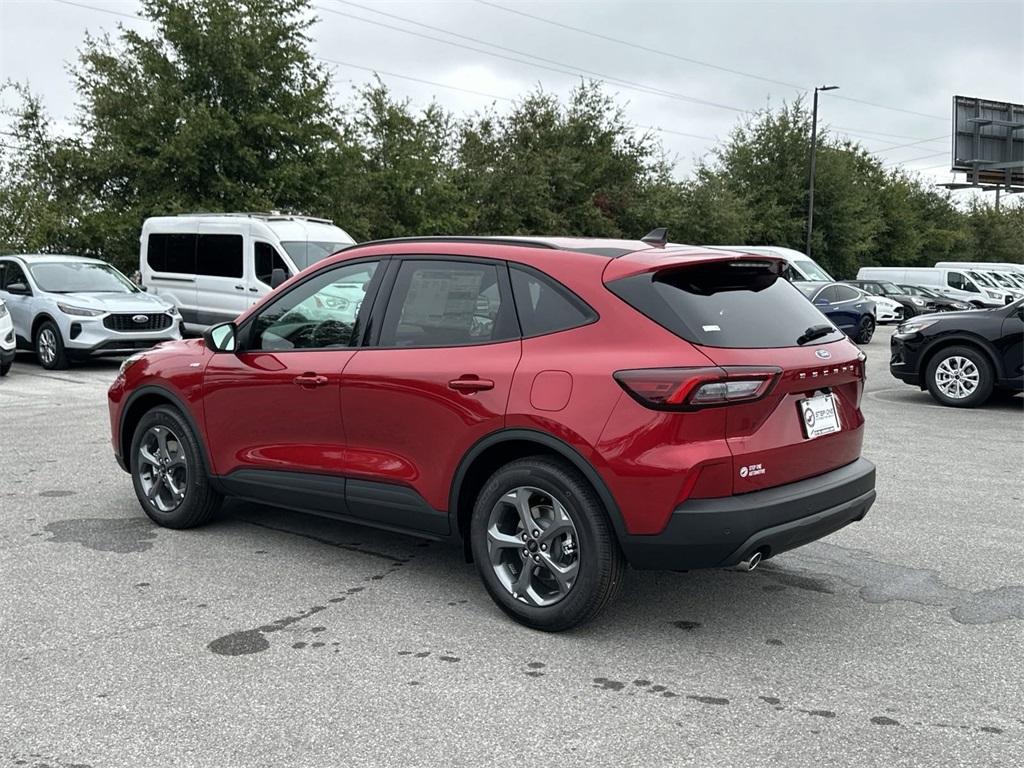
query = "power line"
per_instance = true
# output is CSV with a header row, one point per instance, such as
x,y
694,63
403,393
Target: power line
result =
x,y
909,144
573,71
696,61
914,159
132,16
641,47
415,79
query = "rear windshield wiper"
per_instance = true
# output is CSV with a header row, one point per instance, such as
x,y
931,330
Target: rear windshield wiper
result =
x,y
814,332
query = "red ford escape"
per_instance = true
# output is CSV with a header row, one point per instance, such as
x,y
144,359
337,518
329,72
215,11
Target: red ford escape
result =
x,y
563,406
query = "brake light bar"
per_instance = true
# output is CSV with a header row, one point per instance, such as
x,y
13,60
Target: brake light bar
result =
x,y
688,389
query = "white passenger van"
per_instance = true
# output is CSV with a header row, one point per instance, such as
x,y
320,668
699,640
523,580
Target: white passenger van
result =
x,y
999,276
954,283
799,265
214,266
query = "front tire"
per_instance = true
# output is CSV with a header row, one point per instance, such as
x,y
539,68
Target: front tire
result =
x,y
5,367
865,330
49,346
168,471
961,377
544,546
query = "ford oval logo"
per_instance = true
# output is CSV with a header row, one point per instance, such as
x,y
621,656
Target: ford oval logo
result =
x,y
140,318
824,354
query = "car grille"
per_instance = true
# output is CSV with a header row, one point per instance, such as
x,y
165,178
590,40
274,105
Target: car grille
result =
x,y
128,322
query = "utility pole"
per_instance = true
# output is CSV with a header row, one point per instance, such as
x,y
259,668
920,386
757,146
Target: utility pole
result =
x,y
814,152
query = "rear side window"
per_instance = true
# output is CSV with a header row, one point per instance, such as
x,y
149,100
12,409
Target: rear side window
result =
x,y
845,293
219,256
172,253
544,305
724,304
827,294
267,260
447,304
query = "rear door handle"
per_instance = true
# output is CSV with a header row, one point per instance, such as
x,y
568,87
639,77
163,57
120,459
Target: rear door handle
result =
x,y
310,380
470,384
239,287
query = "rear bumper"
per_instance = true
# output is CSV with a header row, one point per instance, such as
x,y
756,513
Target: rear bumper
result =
x,y
717,533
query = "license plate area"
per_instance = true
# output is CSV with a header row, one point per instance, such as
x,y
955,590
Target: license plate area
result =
x,y
819,415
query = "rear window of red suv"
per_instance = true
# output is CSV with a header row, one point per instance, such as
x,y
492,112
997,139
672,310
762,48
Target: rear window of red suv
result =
x,y
725,304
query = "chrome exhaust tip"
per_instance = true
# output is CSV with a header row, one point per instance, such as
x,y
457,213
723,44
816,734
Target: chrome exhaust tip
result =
x,y
751,563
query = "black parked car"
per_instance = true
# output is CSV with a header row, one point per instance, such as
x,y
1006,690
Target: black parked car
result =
x,y
960,357
912,305
935,299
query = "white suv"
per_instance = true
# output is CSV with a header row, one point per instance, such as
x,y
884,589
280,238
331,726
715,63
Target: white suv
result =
x,y
67,307
214,266
7,344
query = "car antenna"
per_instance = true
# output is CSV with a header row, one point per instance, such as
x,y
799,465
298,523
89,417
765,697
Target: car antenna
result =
x,y
657,237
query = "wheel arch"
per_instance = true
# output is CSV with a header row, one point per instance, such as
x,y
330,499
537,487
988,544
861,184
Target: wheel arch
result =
x,y
145,399
37,321
499,448
963,339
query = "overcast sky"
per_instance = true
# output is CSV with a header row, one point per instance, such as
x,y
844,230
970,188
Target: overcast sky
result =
x,y
911,56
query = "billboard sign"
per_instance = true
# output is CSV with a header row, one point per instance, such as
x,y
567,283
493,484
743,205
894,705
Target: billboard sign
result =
x,y
988,140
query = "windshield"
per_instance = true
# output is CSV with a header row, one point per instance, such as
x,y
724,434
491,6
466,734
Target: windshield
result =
x,y
1001,280
80,277
980,279
306,252
808,289
1016,278
812,271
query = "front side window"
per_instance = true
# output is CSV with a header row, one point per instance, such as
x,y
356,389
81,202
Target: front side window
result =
x,y
219,256
545,306
11,272
267,260
321,313
80,277
446,304
828,294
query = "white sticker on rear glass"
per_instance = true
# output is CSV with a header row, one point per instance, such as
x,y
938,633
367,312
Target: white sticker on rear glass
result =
x,y
708,328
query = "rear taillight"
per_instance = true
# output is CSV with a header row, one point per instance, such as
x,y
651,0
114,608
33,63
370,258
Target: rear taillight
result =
x,y
687,389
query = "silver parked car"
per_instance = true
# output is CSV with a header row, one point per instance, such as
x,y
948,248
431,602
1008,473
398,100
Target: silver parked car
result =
x,y
6,340
69,307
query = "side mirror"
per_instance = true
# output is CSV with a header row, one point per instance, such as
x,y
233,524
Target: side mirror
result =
x,y
277,277
19,289
221,338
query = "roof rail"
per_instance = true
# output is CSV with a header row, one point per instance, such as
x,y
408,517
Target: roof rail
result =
x,y
525,242
267,215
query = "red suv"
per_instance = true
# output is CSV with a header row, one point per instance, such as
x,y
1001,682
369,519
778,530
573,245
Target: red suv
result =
x,y
563,406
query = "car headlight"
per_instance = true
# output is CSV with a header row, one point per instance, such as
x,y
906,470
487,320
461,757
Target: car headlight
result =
x,y
993,294
67,309
911,327
918,302
128,363
959,305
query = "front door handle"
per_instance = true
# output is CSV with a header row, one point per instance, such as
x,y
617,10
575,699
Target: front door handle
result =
x,y
310,380
239,287
470,384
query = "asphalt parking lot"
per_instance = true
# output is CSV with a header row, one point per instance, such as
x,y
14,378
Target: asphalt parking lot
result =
x,y
268,638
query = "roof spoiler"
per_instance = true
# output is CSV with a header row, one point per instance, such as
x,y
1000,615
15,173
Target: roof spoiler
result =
x,y
657,237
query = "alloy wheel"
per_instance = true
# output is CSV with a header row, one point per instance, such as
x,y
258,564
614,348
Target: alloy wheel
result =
x,y
47,346
162,468
533,546
957,377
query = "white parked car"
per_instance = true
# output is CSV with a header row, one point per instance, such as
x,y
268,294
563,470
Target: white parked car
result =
x,y
886,310
953,283
68,307
214,266
7,343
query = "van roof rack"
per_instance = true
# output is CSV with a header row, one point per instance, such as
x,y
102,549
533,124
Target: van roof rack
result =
x,y
265,215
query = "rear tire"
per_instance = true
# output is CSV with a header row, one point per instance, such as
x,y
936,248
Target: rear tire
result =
x,y
49,345
961,377
865,330
585,551
168,471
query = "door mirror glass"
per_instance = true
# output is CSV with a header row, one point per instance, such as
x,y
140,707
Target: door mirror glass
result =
x,y
221,338
277,277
